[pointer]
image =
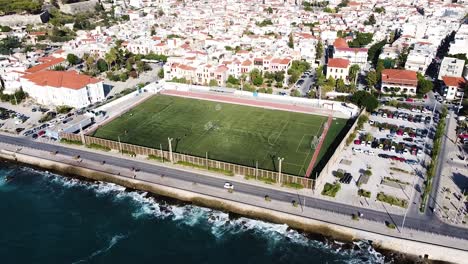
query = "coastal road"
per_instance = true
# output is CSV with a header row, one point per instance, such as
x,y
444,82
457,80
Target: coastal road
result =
x,y
428,223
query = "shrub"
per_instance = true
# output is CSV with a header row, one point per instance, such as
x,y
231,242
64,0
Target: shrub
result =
x,y
331,189
293,185
154,157
392,200
98,147
364,193
72,142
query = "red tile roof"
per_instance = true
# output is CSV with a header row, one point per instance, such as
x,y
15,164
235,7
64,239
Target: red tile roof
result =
x,y
59,79
49,62
454,81
402,77
340,43
338,63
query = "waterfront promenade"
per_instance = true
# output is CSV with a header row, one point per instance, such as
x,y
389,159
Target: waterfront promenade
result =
x,y
249,194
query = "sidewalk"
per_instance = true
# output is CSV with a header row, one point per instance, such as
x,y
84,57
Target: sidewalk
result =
x,y
278,206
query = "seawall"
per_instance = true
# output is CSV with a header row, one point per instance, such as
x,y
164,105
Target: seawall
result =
x,y
412,248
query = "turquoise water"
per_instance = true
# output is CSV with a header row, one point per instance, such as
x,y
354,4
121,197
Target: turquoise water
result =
x,y
48,218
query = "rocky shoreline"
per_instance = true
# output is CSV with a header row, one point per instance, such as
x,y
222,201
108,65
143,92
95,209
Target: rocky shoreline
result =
x,y
316,231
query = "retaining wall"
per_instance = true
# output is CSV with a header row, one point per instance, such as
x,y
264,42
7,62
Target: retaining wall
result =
x,y
336,154
348,110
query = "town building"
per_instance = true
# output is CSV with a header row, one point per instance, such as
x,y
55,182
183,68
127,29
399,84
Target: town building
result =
x,y
338,69
451,67
63,88
341,50
453,87
402,82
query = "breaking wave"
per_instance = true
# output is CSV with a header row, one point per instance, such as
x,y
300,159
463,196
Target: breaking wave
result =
x,y
219,223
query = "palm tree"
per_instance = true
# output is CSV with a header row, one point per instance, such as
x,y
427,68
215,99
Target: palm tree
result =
x,y
110,58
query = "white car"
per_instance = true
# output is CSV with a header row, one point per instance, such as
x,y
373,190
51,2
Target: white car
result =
x,y
358,150
228,186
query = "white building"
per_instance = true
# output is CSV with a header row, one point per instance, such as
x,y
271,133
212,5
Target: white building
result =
x,y
338,69
420,57
63,88
451,67
341,50
460,43
402,82
452,87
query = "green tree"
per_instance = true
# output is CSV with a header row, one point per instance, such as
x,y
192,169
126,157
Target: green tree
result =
x,y
372,79
318,50
353,71
365,99
370,20
102,65
279,76
213,83
73,59
161,73
341,86
374,51
291,41
379,68
320,76
233,80
295,93
331,82
270,10
8,44
379,10
402,57
256,77
361,39
424,86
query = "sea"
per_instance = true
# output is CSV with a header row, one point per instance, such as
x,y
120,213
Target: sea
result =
x,y
49,218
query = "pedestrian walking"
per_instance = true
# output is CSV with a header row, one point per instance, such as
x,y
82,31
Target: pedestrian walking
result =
x,y
134,176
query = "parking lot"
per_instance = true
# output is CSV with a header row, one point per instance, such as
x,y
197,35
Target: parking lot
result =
x,y
17,118
386,159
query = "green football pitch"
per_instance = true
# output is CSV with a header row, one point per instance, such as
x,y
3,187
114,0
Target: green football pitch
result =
x,y
227,132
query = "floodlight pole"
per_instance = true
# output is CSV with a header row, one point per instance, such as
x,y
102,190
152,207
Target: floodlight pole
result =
x,y
82,135
162,153
170,149
120,145
279,168
256,170
410,199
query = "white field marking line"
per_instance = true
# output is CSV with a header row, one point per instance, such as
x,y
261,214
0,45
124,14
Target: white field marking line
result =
x,y
297,149
127,118
305,159
271,146
189,148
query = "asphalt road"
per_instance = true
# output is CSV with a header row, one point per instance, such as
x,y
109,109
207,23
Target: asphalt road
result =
x,y
427,222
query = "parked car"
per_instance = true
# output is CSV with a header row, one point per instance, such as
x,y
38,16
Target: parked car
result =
x,y
357,150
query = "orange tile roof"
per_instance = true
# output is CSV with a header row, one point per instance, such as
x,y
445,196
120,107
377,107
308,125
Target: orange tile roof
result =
x,y
61,79
340,43
49,62
338,63
454,81
404,77
246,63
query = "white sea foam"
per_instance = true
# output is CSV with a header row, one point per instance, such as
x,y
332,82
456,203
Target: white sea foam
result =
x,y
219,223
112,242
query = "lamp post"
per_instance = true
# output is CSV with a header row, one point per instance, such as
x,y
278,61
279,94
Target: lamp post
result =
x,y
280,160
170,149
